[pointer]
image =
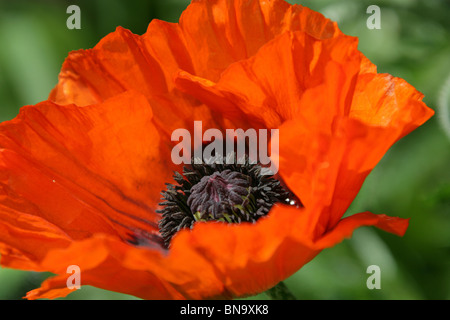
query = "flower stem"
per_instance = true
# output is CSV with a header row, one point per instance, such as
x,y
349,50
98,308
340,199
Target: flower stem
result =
x,y
280,292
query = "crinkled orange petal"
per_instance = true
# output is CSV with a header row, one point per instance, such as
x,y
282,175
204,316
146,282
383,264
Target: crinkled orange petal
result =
x,y
101,262
209,37
336,80
218,33
123,61
308,68
346,226
387,101
320,84
95,169
196,266
330,168
25,237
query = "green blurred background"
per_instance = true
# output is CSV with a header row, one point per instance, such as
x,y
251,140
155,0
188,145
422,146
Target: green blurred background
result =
x,y
411,181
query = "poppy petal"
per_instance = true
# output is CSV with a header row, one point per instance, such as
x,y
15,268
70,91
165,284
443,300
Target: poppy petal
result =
x,y
387,101
280,241
330,168
346,226
328,69
25,237
268,245
314,108
219,33
85,170
204,43
119,62
100,262
337,80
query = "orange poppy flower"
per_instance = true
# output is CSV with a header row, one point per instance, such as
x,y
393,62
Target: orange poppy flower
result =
x,y
81,173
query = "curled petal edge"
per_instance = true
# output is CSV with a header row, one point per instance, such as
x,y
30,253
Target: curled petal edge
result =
x,y
284,246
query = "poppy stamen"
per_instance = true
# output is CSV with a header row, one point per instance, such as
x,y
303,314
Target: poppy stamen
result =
x,y
222,196
232,193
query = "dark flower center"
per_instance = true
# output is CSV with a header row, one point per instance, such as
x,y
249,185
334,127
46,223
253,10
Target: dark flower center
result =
x,y
221,196
232,193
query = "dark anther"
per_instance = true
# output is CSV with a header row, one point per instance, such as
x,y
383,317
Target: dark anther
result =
x,y
231,193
